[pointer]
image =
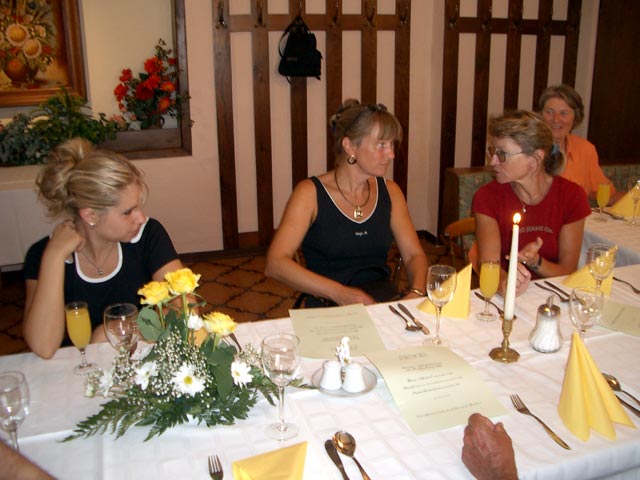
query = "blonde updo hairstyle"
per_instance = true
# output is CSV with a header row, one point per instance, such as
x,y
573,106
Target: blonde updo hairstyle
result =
x,y
356,121
531,133
77,175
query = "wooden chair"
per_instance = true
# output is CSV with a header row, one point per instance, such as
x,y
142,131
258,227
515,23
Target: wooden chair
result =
x,y
453,238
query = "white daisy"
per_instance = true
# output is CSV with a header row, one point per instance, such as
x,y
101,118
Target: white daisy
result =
x,y
144,374
185,381
240,373
194,322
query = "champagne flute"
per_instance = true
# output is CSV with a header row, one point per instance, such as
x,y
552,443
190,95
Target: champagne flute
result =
x,y
121,326
79,330
585,305
280,361
489,280
14,403
441,284
634,193
602,197
601,259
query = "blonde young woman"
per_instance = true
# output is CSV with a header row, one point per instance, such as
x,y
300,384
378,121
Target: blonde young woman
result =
x,y
346,219
525,160
102,252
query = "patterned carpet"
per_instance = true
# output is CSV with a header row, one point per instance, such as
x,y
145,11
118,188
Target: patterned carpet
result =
x,y
233,284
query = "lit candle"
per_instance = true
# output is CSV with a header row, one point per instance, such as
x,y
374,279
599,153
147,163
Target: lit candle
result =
x,y
512,273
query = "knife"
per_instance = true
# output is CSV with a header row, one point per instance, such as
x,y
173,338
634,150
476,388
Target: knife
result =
x,y
557,289
500,311
335,457
630,407
422,326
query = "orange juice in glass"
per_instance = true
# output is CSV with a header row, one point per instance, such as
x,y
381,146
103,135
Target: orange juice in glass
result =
x,y
602,197
79,330
489,281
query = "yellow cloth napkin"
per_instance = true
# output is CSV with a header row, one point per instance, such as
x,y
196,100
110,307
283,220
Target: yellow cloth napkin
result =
x,y
623,207
583,278
282,464
586,400
459,306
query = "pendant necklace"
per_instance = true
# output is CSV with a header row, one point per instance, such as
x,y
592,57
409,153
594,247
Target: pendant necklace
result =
x,y
357,212
99,268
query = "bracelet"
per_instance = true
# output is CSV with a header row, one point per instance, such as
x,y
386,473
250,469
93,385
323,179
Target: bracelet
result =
x,y
417,291
534,267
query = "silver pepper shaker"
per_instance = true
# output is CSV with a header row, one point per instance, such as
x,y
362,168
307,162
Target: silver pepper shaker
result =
x,y
546,336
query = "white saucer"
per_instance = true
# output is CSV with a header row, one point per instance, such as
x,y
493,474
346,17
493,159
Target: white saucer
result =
x,y
370,381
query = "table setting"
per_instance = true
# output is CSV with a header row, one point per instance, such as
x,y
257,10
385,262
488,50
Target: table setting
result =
x,y
362,395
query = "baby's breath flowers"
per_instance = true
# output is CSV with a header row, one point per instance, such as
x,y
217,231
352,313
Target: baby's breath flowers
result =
x,y
189,372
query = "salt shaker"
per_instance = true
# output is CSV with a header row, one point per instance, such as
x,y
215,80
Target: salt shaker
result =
x,y
546,336
353,378
331,375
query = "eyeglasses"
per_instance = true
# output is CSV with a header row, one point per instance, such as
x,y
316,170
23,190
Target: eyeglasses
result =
x,y
372,107
501,154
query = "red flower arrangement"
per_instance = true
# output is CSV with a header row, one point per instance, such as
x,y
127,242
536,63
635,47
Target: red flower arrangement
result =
x,y
150,96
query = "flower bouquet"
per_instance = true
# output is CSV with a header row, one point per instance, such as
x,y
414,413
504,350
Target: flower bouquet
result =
x,y
152,94
189,371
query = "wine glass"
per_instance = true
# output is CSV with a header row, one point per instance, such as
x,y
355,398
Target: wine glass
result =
x,y
634,192
121,326
441,284
79,330
585,305
601,259
14,403
280,361
603,196
489,280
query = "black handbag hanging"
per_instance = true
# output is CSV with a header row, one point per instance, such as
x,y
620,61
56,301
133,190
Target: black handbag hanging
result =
x,y
300,57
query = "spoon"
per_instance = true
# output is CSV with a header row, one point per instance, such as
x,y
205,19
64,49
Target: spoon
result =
x,y
346,444
409,326
615,385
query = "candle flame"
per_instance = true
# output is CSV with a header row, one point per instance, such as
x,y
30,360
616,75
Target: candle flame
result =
x,y
516,218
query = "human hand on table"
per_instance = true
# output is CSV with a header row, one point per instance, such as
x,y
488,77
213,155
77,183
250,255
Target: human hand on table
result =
x,y
487,450
350,295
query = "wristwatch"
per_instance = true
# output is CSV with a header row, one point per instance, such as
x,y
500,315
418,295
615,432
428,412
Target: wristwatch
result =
x,y
534,267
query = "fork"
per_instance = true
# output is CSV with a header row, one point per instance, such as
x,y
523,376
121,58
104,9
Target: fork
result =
x,y
635,290
557,294
522,408
215,467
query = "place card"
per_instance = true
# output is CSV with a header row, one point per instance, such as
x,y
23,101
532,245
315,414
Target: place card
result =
x,y
434,388
321,329
620,317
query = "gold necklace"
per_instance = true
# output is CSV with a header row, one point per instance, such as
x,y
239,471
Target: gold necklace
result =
x,y
99,268
357,212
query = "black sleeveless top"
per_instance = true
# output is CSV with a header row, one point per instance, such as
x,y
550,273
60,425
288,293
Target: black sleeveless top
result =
x,y
343,249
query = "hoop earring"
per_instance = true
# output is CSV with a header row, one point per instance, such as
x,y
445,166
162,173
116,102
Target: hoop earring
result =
x,y
352,160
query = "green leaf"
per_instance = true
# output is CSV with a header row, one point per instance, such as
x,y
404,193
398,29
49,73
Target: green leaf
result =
x,y
224,380
149,324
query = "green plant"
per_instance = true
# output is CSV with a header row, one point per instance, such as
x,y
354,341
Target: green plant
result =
x,y
28,139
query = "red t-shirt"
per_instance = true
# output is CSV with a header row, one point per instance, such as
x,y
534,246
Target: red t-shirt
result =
x,y
566,202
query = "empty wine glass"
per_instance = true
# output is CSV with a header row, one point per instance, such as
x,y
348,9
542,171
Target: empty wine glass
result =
x,y
79,330
602,198
280,361
121,326
585,305
634,193
489,280
441,284
14,403
601,259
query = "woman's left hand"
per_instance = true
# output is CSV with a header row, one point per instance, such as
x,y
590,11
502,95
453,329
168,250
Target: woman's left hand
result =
x,y
529,254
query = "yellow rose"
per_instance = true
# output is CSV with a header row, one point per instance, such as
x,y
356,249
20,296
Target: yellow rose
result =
x,y
182,281
154,293
219,323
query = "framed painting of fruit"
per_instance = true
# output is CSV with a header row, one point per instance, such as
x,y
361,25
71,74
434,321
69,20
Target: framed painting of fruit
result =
x,y
40,51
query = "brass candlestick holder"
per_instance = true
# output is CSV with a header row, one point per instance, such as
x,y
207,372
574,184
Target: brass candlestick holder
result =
x,y
505,354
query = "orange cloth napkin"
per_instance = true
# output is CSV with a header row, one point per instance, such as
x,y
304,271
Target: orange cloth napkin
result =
x,y
460,305
623,207
586,400
282,464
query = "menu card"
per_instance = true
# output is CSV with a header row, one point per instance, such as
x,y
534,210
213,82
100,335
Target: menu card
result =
x,y
434,388
321,329
620,317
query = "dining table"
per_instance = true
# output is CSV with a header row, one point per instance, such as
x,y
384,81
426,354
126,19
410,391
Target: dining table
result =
x,y
387,447
603,228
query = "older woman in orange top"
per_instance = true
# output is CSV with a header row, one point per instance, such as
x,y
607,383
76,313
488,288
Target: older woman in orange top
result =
x,y
562,109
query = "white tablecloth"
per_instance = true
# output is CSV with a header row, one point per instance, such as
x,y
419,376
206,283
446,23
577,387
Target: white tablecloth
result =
x,y
387,447
612,232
